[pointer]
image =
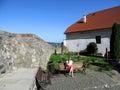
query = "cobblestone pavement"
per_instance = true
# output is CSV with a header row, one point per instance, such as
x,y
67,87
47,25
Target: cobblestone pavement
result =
x,y
89,81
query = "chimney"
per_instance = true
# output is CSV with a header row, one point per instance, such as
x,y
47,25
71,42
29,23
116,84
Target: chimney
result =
x,y
84,19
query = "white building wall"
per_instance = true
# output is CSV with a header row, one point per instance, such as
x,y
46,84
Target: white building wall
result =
x,y
105,43
78,41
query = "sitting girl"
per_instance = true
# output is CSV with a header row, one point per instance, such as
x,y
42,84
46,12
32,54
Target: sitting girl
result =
x,y
69,66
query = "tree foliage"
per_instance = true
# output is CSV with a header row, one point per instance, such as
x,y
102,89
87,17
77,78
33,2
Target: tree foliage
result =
x,y
115,41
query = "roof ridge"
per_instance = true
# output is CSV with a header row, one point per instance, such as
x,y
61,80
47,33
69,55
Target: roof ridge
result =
x,y
104,10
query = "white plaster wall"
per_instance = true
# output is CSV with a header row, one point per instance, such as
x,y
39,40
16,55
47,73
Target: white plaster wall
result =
x,y
105,43
78,44
78,41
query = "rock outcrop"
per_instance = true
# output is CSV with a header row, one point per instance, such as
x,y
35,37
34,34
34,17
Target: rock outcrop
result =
x,y
23,51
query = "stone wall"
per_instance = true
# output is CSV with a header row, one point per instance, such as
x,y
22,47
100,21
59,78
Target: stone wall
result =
x,y
23,51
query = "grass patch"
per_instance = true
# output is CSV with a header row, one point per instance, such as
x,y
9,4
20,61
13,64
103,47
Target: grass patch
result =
x,y
100,62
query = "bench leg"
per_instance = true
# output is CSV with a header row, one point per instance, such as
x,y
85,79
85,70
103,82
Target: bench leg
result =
x,y
65,74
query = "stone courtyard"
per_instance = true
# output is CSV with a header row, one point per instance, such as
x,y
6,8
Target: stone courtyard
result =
x,y
90,81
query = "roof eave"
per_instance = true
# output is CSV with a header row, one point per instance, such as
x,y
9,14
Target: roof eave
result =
x,y
86,30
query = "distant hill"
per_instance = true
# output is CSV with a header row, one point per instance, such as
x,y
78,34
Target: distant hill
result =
x,y
54,44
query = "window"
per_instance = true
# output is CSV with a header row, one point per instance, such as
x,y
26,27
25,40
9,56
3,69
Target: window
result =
x,y
98,39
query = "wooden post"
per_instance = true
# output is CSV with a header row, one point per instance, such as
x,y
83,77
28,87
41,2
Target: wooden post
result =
x,y
106,53
62,46
56,49
78,49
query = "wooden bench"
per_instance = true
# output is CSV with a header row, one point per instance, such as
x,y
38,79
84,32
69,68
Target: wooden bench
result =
x,y
42,79
76,66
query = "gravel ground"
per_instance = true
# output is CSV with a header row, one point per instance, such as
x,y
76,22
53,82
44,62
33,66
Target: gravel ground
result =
x,y
90,81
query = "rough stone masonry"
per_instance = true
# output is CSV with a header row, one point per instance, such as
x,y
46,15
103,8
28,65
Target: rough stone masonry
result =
x,y
23,51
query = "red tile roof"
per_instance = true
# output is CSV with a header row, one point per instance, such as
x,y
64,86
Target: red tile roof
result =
x,y
98,20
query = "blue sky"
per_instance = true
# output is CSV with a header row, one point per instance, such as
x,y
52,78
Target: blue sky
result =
x,y
48,19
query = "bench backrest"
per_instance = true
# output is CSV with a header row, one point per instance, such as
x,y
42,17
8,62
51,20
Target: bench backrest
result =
x,y
61,66
76,65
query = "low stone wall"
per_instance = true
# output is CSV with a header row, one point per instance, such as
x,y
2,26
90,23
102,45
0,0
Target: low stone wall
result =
x,y
23,51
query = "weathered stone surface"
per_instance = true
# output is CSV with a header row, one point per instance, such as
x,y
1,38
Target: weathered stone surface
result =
x,y
23,51
92,80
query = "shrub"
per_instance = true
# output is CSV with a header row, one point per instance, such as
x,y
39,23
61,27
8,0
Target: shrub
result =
x,y
115,41
92,48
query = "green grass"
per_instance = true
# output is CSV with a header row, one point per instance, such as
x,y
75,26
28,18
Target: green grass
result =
x,y
87,60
